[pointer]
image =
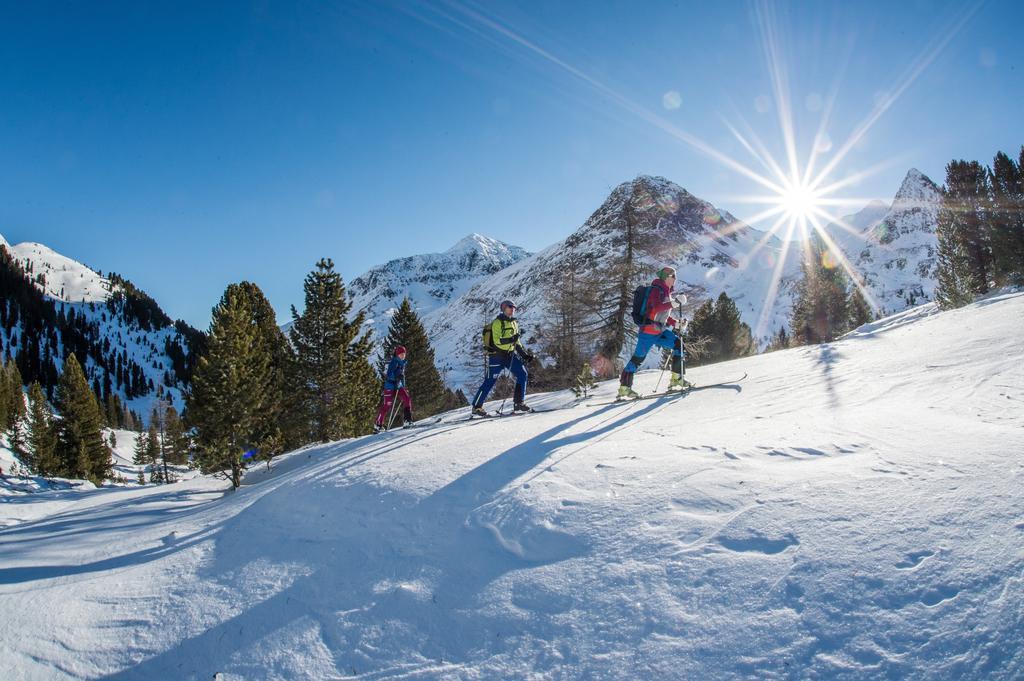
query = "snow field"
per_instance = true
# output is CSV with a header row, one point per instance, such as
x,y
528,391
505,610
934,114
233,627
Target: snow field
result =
x,y
849,510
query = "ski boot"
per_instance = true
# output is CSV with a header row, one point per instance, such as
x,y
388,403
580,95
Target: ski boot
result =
x,y
479,411
626,393
377,429
679,383
522,407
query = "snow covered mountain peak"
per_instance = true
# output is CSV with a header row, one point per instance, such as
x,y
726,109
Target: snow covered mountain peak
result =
x,y
479,243
59,277
916,190
430,280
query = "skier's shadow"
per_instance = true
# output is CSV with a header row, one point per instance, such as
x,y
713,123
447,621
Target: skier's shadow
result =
x,y
359,569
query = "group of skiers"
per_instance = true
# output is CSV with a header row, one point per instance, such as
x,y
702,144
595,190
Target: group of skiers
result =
x,y
502,339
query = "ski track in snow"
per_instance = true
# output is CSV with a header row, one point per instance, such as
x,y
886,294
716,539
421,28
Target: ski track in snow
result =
x,y
853,511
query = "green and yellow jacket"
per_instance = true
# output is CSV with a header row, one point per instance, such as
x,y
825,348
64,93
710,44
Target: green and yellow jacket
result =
x,y
504,335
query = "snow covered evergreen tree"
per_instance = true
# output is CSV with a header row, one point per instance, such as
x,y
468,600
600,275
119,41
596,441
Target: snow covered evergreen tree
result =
x,y
337,385
81,450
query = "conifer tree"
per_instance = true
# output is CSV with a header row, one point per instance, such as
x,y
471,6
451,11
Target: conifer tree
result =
x,y
422,377
158,426
81,450
15,405
1007,222
5,397
42,441
717,333
964,266
154,453
819,314
338,387
233,387
177,438
780,341
141,451
858,308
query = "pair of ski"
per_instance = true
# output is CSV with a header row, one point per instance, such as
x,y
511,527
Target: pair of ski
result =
x,y
504,414
668,393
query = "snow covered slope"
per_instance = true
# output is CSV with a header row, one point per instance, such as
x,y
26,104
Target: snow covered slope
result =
x,y
58,276
430,281
710,248
848,511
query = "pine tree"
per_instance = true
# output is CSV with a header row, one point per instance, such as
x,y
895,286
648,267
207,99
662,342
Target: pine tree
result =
x,y
422,377
81,450
177,438
154,453
699,335
820,314
1007,222
42,440
858,308
141,451
780,341
232,388
158,435
338,387
964,267
717,333
5,395
16,410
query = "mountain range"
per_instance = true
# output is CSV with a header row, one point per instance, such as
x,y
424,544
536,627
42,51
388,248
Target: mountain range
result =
x,y
649,221
51,305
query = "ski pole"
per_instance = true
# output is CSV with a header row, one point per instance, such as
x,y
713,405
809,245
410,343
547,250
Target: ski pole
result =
x,y
394,410
664,366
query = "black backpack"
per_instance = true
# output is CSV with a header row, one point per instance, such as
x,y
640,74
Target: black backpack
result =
x,y
639,312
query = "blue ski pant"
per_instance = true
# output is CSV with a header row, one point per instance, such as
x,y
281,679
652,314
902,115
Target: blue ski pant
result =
x,y
644,342
497,363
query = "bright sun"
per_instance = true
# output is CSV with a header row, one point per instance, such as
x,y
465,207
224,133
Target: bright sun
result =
x,y
799,201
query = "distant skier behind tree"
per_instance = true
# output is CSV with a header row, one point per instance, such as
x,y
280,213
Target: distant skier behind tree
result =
x,y
394,386
504,351
657,327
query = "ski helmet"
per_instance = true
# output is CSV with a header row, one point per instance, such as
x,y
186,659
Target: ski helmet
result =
x,y
507,303
666,272
400,350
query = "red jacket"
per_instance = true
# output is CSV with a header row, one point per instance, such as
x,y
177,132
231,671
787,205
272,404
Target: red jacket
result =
x,y
659,304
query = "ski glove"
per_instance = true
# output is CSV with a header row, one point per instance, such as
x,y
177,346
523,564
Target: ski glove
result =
x,y
680,299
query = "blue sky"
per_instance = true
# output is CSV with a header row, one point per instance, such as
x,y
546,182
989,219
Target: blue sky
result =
x,y
190,145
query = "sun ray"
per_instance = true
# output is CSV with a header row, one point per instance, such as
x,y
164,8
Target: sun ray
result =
x,y
622,101
750,255
826,115
764,14
760,152
773,285
909,76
